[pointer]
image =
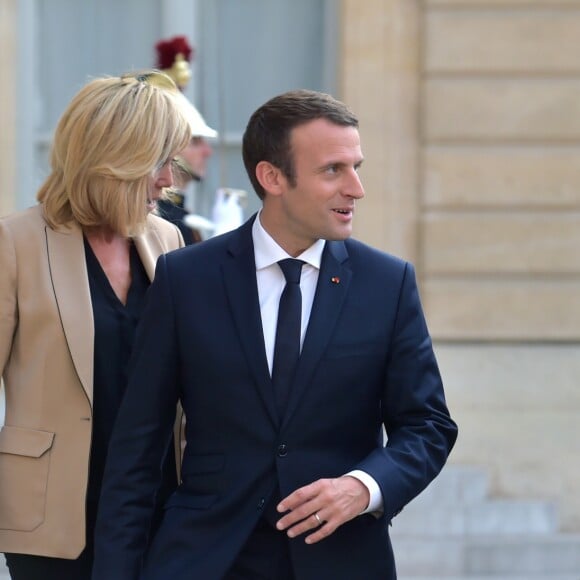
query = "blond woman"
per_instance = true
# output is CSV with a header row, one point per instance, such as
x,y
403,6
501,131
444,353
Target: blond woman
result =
x,y
75,269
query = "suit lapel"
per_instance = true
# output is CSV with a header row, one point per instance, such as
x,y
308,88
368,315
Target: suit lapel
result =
x,y
331,290
149,248
239,273
68,271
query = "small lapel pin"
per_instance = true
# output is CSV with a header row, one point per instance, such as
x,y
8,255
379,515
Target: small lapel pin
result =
x,y
335,280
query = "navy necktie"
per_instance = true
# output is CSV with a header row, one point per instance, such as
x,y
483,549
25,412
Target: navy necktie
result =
x,y
287,345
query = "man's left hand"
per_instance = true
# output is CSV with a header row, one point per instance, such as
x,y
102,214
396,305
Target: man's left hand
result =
x,y
322,506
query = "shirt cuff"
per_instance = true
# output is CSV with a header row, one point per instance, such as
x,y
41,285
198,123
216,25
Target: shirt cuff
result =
x,y
375,506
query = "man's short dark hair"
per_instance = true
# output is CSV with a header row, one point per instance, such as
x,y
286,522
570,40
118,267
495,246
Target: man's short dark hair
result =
x,y
267,135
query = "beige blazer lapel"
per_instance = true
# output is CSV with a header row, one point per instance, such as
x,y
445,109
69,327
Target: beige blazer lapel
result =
x,y
148,252
68,272
150,247
159,238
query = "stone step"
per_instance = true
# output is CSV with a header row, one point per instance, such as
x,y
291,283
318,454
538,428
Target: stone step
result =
x,y
557,554
495,577
3,569
423,556
485,517
456,484
494,555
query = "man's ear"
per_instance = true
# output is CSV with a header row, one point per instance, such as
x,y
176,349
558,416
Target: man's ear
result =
x,y
270,178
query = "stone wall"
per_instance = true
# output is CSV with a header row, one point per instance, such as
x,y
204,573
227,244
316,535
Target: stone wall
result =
x,y
470,121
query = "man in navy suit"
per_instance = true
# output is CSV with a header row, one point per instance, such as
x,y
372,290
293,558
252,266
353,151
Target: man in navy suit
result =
x,y
305,488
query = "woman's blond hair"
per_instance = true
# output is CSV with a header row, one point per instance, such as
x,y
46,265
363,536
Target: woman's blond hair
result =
x,y
112,137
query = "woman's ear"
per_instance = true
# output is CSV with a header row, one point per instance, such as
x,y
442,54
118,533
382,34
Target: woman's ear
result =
x,y
270,178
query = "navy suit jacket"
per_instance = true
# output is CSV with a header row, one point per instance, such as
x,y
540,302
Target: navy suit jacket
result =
x,y
367,362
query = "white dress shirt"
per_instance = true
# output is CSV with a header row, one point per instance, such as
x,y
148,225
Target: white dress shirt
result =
x,y
271,283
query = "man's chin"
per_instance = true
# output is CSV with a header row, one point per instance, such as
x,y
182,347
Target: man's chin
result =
x,y
339,236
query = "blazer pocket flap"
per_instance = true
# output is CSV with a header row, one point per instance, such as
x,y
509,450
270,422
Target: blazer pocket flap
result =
x,y
27,442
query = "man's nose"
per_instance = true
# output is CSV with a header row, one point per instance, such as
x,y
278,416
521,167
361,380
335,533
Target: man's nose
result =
x,y
354,187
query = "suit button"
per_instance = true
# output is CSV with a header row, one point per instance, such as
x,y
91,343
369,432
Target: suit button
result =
x,y
282,450
261,503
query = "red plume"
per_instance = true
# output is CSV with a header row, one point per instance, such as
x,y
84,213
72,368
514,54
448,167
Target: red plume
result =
x,y
167,50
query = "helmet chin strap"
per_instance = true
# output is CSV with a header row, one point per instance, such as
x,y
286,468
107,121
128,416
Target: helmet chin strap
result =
x,y
184,170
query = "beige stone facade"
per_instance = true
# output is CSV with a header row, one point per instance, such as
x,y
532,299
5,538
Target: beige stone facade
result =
x,y
7,105
470,119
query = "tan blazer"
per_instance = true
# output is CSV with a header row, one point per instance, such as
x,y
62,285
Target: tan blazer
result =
x,y
46,360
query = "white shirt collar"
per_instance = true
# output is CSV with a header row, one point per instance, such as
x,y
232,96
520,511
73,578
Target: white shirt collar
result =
x,y
268,252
